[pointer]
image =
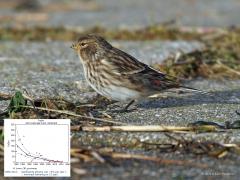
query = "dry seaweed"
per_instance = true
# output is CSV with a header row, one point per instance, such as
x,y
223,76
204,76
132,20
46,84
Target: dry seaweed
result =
x,y
219,59
103,155
225,125
24,107
209,148
39,33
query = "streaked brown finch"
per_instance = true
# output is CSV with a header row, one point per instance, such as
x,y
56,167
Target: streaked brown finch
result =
x,y
116,74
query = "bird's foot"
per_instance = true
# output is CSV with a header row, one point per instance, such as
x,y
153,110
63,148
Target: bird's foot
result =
x,y
125,109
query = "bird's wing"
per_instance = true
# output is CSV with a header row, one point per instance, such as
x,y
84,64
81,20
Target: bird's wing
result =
x,y
121,63
160,81
157,80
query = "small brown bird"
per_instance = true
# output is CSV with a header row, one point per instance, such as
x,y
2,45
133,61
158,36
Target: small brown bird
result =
x,y
116,74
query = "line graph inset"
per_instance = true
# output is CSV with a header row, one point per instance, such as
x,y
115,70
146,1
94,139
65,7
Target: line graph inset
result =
x,y
43,144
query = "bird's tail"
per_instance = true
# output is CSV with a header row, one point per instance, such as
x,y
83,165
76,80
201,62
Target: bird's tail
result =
x,y
195,90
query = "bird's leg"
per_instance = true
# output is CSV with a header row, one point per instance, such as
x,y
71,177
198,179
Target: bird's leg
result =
x,y
128,105
125,109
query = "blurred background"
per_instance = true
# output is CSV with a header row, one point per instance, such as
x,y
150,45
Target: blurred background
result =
x,y
118,14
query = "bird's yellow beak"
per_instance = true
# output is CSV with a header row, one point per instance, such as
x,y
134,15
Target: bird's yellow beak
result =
x,y
75,46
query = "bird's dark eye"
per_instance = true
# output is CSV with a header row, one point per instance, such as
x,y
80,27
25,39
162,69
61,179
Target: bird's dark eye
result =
x,y
83,44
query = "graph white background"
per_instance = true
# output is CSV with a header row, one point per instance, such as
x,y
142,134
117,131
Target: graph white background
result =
x,y
44,144
51,141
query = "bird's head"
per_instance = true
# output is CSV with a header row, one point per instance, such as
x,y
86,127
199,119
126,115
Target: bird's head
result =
x,y
91,47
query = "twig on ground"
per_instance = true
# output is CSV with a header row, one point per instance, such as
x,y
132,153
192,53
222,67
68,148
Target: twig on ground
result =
x,y
148,128
4,96
79,171
1,147
73,114
157,159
